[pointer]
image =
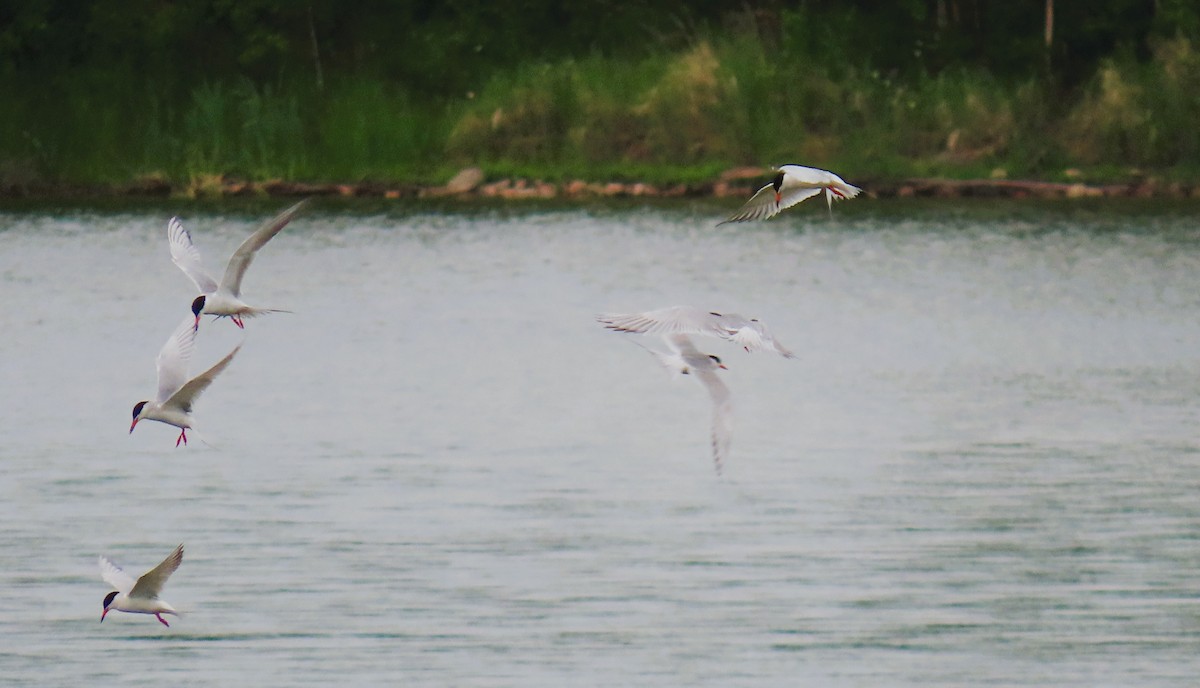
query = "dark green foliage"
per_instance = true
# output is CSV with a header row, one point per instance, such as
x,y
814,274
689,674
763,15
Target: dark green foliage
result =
x,y
109,90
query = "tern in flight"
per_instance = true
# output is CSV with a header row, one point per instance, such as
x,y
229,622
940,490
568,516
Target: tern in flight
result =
x,y
748,333
224,300
176,393
793,184
139,596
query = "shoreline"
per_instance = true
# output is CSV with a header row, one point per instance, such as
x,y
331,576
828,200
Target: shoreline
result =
x,y
471,183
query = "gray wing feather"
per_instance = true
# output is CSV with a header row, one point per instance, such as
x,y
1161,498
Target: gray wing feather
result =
x,y
665,321
244,255
151,583
187,395
761,206
747,333
722,415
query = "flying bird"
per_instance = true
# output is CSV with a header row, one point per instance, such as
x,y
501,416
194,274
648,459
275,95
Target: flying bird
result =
x,y
140,596
793,184
176,393
748,333
685,359
224,300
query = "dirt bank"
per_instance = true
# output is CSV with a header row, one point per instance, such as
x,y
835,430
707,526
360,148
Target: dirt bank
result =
x,y
736,183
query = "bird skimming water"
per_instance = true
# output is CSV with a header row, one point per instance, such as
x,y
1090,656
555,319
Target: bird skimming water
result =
x,y
140,596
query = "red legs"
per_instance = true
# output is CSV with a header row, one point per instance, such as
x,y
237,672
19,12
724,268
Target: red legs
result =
x,y
237,320
162,620
182,438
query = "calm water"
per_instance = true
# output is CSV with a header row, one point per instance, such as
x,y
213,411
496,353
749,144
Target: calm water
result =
x,y
981,469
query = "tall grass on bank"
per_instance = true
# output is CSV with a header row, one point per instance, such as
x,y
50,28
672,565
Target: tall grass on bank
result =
x,y
669,116
113,130
733,103
1142,115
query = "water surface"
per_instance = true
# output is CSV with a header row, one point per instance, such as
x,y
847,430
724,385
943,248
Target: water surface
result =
x,y
981,468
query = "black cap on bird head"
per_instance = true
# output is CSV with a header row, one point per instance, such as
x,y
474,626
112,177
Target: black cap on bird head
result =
x,y
778,182
137,408
107,601
197,307
717,360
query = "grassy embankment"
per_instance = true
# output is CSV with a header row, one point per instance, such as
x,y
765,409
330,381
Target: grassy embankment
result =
x,y
669,117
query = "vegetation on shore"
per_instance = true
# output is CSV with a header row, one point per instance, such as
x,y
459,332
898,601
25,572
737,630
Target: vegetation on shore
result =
x,y
676,96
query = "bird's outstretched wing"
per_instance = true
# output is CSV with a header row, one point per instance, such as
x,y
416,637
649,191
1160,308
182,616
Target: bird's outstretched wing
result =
x,y
665,321
748,333
173,358
244,255
722,415
151,583
115,576
187,394
187,257
791,197
761,206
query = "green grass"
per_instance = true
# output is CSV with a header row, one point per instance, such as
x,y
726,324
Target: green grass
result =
x,y
666,117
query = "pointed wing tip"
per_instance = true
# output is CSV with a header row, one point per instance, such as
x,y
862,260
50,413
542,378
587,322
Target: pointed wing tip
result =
x,y
609,321
225,362
718,457
786,353
732,219
294,209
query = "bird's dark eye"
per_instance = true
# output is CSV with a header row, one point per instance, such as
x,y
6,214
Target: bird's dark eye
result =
x,y
109,598
198,305
137,408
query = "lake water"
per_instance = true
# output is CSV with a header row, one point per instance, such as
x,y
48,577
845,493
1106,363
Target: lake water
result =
x,y
982,468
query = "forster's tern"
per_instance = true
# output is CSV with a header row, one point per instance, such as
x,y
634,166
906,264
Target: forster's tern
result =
x,y
140,596
793,184
685,359
748,333
224,299
176,393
